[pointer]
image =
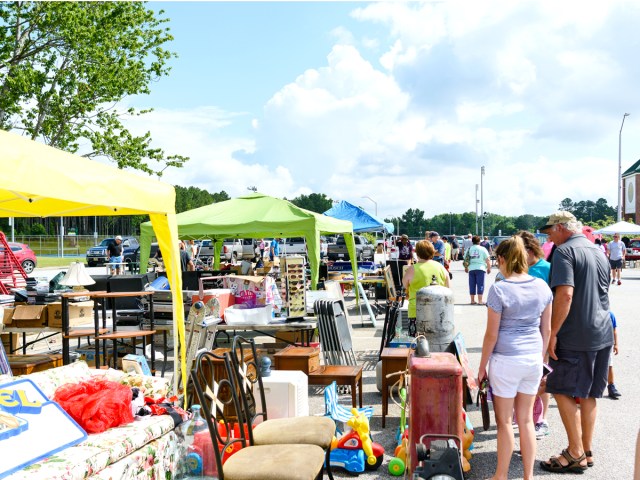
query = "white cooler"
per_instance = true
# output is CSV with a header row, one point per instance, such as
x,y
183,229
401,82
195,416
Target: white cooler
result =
x,y
286,393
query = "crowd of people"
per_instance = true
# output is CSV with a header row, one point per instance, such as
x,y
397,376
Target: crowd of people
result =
x,y
548,309
550,331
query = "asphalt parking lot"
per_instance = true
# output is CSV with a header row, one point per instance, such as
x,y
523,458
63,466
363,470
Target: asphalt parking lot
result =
x,y
618,420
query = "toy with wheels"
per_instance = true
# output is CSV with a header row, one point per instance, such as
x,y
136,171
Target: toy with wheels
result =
x,y
398,463
355,451
467,441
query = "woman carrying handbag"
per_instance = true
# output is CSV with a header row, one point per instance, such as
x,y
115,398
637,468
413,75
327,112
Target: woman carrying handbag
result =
x,y
515,341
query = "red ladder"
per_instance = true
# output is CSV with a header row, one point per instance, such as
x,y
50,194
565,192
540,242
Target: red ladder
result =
x,y
12,275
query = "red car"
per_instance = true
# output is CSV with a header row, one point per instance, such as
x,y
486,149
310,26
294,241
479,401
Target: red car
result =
x,y
23,253
633,250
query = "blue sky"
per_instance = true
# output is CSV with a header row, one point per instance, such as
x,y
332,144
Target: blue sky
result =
x,y
402,101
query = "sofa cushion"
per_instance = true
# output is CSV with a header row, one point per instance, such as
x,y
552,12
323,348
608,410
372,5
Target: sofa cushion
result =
x,y
153,460
49,380
98,451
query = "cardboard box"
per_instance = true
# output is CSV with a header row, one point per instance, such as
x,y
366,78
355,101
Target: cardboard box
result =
x,y
7,315
88,354
30,316
14,345
252,291
80,313
135,364
249,316
224,298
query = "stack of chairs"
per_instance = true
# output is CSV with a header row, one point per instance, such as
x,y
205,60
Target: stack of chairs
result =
x,y
335,332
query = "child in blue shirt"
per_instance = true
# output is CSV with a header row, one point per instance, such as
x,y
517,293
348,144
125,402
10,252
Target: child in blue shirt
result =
x,y
613,391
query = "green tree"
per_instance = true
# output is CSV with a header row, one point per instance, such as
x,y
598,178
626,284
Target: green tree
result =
x,y
188,198
567,205
64,66
316,202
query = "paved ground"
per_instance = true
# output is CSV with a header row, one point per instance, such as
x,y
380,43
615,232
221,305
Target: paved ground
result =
x,y
618,420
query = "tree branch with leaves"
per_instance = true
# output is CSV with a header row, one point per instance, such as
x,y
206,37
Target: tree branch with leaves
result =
x,y
65,66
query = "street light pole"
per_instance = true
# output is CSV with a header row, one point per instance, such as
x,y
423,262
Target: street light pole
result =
x,y
374,202
620,168
450,214
477,201
482,202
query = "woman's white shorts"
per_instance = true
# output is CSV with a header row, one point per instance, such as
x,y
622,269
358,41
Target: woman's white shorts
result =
x,y
509,375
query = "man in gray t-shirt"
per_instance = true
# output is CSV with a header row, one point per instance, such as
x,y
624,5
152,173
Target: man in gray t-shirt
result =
x,y
581,336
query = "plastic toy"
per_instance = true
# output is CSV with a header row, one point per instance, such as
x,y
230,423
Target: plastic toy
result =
x,y
398,463
355,451
467,441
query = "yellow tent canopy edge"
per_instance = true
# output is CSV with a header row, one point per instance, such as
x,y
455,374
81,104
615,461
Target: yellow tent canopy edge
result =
x,y
42,181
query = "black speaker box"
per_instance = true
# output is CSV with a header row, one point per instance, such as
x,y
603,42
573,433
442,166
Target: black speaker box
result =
x,y
127,283
101,285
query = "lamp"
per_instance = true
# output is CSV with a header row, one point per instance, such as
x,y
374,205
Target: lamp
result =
x,y
77,277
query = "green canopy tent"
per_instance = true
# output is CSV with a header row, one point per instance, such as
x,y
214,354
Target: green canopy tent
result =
x,y
256,216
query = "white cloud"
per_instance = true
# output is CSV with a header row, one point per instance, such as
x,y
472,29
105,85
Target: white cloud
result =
x,y
533,90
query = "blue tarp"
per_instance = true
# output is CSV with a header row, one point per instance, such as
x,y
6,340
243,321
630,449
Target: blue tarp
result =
x,y
361,220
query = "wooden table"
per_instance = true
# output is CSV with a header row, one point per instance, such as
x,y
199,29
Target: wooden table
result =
x,y
306,327
26,364
342,375
393,360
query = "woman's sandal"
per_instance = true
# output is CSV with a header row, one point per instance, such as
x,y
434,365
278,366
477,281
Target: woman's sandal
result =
x,y
573,465
589,454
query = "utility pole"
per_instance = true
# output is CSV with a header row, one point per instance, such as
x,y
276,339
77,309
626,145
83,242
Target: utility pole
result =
x,y
477,201
482,201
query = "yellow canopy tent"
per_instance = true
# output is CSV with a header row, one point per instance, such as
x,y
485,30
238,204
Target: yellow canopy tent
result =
x,y
41,181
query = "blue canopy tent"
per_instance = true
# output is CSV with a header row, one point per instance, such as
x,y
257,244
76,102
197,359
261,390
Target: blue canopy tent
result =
x,y
361,220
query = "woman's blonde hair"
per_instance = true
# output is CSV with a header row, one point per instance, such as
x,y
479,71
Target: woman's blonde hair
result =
x,y
514,254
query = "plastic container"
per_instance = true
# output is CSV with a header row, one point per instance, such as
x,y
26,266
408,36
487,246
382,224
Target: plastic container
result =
x,y
248,316
195,453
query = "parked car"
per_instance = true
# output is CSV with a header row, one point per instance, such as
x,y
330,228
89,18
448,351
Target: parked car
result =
x,y
98,255
633,251
152,252
232,249
293,246
495,241
364,249
25,256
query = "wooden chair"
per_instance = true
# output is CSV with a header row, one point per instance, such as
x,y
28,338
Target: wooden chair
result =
x,y
301,430
248,461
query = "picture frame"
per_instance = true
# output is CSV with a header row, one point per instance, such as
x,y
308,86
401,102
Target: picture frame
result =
x,y
388,279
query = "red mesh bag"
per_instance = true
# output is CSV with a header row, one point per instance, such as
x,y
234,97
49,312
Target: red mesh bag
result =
x,y
96,405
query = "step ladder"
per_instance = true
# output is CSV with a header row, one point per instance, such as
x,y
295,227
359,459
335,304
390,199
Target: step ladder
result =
x,y
12,275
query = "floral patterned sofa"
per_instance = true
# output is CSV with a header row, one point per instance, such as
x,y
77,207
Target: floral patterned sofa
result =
x,y
144,449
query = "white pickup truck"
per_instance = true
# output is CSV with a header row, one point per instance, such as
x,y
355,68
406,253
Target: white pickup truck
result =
x,y
232,249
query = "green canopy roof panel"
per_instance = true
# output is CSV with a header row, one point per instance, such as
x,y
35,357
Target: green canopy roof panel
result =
x,y
257,216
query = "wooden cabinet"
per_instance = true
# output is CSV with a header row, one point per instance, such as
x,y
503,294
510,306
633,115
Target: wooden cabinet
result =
x,y
305,359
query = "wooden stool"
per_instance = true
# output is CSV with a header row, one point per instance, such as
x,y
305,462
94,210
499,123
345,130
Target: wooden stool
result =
x,y
393,360
343,375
